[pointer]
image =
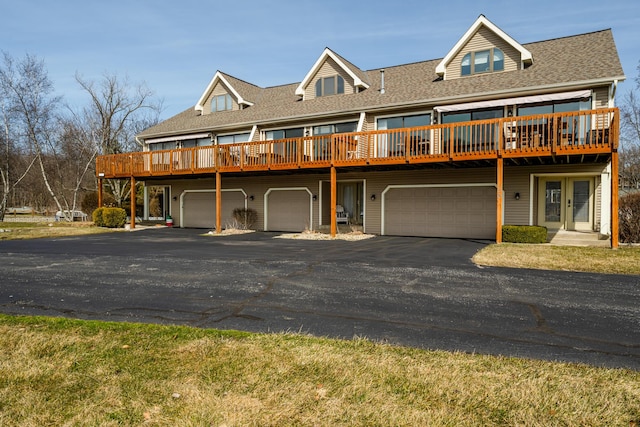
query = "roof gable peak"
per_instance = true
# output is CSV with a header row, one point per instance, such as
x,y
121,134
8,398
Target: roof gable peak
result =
x,y
217,78
525,55
342,63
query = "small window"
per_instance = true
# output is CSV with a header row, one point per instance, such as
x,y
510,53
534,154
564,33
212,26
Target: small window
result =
x,y
221,103
329,86
482,61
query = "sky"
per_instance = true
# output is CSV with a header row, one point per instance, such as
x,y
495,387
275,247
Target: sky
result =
x,y
175,47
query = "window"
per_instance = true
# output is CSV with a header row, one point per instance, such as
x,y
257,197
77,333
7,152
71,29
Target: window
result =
x,y
482,61
404,122
230,139
284,133
335,128
221,103
473,137
329,86
396,143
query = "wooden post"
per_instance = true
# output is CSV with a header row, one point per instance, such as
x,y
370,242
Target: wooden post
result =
x,y
133,203
100,192
614,199
499,201
218,203
333,201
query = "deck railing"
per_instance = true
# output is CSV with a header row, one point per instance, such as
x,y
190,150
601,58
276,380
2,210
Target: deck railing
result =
x,y
583,132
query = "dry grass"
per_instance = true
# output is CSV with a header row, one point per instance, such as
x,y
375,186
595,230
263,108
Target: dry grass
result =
x,y
569,258
63,372
35,230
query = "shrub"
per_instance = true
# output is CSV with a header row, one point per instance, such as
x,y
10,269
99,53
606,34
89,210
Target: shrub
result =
x,y
245,218
97,217
110,217
629,218
524,234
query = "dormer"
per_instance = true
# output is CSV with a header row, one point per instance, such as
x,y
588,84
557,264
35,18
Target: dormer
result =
x,y
224,93
483,49
331,75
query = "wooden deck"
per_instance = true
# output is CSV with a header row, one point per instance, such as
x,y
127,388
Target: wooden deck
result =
x,y
549,135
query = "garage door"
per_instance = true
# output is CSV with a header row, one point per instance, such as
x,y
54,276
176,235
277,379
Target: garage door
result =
x,y
288,210
199,208
460,212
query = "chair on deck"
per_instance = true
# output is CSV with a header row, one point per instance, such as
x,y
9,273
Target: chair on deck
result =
x,y
342,216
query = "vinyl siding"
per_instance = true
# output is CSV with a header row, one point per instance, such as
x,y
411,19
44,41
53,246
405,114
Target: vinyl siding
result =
x,y
484,39
329,68
219,89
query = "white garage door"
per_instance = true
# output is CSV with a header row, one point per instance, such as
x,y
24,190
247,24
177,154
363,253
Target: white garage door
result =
x,y
199,208
288,210
459,212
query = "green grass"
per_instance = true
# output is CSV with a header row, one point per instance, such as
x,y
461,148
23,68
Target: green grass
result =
x,y
69,372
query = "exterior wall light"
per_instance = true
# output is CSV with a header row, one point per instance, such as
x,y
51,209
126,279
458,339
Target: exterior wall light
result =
x,y
251,197
517,196
373,197
314,197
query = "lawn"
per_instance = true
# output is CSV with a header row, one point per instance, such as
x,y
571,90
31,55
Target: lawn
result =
x,y
71,372
569,258
34,230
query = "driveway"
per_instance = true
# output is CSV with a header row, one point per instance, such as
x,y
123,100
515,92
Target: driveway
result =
x,y
408,291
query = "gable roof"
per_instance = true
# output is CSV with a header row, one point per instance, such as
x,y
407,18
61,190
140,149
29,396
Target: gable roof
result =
x,y
562,64
240,90
525,55
358,76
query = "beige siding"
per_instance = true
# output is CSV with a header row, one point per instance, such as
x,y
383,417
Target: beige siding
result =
x,y
601,97
329,68
219,89
481,40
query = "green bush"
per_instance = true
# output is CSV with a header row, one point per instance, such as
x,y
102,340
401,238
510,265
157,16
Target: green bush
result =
x,y
110,217
524,234
97,217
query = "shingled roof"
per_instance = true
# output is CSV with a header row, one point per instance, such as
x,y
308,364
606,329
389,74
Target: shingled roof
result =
x,y
566,63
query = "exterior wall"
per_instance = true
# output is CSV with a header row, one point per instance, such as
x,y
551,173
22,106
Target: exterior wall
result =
x,y
601,97
517,179
484,39
219,89
329,68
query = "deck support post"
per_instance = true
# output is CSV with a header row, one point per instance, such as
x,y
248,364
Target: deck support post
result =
x,y
133,204
100,200
218,203
614,199
333,201
499,201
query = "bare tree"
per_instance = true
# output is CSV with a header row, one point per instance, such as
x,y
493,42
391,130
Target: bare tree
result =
x,y
118,110
32,107
630,138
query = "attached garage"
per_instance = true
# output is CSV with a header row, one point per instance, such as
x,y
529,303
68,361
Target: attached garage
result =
x,y
441,211
288,209
199,207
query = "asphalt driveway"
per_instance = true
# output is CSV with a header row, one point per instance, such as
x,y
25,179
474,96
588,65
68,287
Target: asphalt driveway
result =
x,y
408,291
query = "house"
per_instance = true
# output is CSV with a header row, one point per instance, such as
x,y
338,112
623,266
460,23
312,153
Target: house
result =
x,y
494,133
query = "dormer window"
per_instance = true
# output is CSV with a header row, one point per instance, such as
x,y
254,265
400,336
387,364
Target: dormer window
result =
x,y
482,61
329,86
221,103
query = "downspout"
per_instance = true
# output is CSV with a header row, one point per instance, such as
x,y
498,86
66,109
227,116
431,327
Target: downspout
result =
x,y
382,82
612,91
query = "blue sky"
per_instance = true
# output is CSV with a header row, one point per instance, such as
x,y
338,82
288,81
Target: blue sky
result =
x,y
176,47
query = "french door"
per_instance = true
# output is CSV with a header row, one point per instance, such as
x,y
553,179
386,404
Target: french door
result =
x,y
566,203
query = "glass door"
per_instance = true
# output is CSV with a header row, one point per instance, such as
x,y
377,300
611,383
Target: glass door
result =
x,y
580,204
551,212
566,203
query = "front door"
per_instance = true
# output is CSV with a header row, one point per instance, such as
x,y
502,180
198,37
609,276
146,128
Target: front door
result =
x,y
566,203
